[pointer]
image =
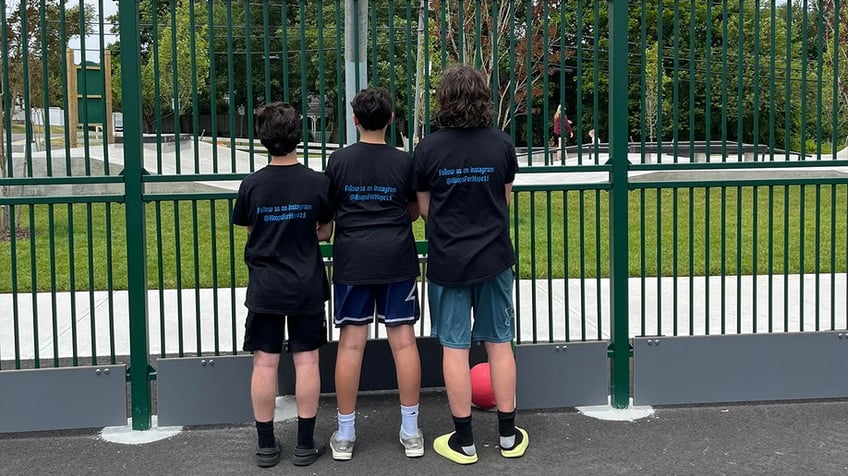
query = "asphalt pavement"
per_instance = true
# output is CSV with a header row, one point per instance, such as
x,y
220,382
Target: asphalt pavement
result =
x,y
789,438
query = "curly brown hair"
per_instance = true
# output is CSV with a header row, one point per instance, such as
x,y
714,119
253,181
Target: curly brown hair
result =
x,y
465,98
279,128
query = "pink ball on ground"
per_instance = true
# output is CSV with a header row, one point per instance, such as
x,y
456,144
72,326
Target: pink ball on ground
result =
x,y
482,394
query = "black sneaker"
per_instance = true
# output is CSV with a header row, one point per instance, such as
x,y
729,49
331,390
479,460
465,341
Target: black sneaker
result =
x,y
267,457
307,456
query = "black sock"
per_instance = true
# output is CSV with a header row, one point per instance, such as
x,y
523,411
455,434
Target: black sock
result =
x,y
463,436
506,423
305,431
265,429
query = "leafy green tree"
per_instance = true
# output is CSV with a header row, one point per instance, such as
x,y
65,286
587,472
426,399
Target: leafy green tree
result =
x,y
42,43
175,64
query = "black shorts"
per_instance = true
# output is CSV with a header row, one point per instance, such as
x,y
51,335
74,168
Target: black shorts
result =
x,y
265,332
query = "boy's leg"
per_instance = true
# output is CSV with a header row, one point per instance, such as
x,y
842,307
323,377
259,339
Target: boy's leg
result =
x,y
457,375
352,341
450,311
306,335
397,308
307,383
496,328
354,310
407,363
264,337
408,368
263,385
502,364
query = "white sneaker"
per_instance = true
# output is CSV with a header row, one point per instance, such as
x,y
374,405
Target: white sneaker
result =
x,y
342,449
413,446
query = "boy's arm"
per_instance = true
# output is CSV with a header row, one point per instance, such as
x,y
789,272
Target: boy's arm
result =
x,y
423,204
324,231
508,190
249,229
414,210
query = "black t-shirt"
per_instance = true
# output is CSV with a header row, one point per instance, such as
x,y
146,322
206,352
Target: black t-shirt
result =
x,y
286,272
370,186
466,171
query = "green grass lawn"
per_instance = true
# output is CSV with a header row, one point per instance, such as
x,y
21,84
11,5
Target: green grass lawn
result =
x,y
676,232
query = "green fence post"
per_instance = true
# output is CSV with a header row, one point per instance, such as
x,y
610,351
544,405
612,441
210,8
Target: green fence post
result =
x,y
619,321
133,189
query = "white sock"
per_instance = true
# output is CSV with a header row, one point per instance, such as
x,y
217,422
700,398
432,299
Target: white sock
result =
x,y
508,442
347,426
409,420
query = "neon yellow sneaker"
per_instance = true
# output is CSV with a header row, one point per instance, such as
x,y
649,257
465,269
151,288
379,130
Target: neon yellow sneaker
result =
x,y
522,440
440,446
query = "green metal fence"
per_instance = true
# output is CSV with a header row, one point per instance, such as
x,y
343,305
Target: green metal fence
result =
x,y
710,198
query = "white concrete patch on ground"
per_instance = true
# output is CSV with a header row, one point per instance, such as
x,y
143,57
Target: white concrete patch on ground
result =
x,y
285,408
610,413
125,435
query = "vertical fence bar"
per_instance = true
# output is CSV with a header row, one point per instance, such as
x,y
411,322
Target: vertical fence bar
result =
x,y
52,249
178,267
196,257
707,258
134,214
232,265
195,101
755,204
91,283
231,93
533,264
516,237
213,85
33,273
675,242
160,265
565,261
549,229
110,283
619,207
250,105
786,200
213,211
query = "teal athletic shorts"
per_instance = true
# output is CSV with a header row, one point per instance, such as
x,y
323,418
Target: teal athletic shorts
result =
x,y
491,301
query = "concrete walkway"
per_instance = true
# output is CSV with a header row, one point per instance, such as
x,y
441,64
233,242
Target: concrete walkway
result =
x,y
205,320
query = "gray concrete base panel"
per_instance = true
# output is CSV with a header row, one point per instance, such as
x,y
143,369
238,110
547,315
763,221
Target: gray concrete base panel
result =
x,y
739,368
63,398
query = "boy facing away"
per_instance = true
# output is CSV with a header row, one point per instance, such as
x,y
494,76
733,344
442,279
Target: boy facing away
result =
x,y
375,267
463,176
285,207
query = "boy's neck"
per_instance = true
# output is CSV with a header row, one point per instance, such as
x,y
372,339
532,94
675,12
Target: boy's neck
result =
x,y
288,159
372,137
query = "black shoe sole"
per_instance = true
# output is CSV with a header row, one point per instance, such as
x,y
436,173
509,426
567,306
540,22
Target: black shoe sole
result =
x,y
308,458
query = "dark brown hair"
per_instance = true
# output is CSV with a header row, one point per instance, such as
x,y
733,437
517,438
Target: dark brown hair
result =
x,y
373,108
279,127
465,99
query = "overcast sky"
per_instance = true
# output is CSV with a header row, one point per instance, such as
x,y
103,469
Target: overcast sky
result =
x,y
92,42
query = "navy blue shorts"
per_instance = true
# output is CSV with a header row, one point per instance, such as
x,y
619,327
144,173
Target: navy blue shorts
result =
x,y
393,304
265,332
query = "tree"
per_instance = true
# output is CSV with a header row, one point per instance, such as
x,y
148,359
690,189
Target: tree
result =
x,y
836,66
177,63
655,85
42,44
35,54
470,31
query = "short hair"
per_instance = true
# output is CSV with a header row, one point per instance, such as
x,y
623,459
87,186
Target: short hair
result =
x,y
373,108
279,127
465,99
